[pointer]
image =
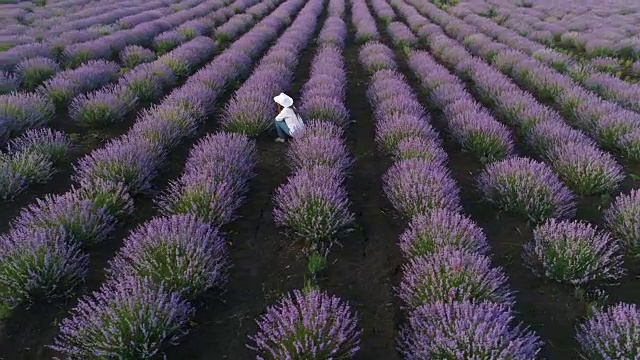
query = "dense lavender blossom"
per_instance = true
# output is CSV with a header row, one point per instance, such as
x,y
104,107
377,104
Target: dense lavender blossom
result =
x,y
573,252
467,330
195,98
417,187
11,182
416,147
390,131
629,145
31,167
55,144
611,334
167,41
88,77
622,220
546,136
148,81
313,204
134,55
527,188
585,169
181,252
310,326
306,152
21,111
452,275
38,264
129,319
375,56
8,82
113,198
480,134
401,34
132,161
103,107
82,220
235,153
327,109
32,72
440,228
333,32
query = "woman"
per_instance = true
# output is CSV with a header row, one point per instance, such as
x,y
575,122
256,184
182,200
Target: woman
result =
x,y
288,122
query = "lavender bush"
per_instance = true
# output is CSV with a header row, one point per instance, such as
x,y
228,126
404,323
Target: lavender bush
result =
x,y
310,326
573,252
390,131
467,330
182,253
134,55
309,151
611,334
21,111
452,275
439,229
128,319
8,82
54,144
527,188
34,71
112,197
479,133
103,107
313,204
419,148
622,220
417,187
32,167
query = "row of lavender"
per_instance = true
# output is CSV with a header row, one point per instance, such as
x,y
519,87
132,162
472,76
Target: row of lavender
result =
x,y
87,214
440,244
558,247
606,122
313,206
111,104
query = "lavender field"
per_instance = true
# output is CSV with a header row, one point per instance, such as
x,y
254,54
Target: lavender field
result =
x,y
466,186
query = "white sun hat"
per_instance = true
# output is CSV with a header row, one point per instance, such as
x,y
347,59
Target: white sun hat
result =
x,y
284,100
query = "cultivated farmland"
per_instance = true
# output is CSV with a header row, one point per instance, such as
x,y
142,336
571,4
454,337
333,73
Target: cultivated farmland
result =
x,y
466,185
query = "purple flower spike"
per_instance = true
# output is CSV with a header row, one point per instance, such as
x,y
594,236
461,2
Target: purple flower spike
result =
x,y
114,198
573,252
182,253
415,147
83,221
327,109
102,324
306,152
165,126
134,55
483,136
392,130
21,111
55,144
546,136
585,169
417,187
37,264
34,71
102,107
443,331
313,204
429,234
310,326
622,220
375,56
8,82
611,334
527,188
452,275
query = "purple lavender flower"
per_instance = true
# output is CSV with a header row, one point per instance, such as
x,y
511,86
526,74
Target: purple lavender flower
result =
x,y
20,111
167,41
310,325
606,64
132,161
134,55
235,153
443,331
440,228
182,253
88,77
546,136
392,130
585,169
307,151
148,81
527,188
103,107
81,219
130,319
31,167
327,109
480,134
452,275
375,56
333,32
417,187
34,71
313,204
38,264
416,147
622,220
573,252
611,334
195,98
113,198
54,144
401,35
11,182
8,82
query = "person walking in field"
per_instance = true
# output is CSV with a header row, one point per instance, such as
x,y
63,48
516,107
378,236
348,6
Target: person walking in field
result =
x,y
288,121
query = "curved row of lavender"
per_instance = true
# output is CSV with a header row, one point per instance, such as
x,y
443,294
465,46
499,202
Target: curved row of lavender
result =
x,y
449,289
251,109
606,122
313,206
594,76
137,30
108,178
99,108
572,252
